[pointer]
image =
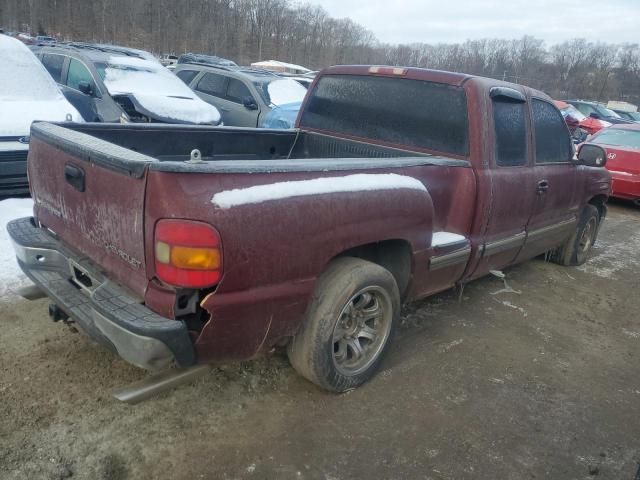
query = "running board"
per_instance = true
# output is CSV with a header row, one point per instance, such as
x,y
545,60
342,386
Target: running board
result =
x,y
157,383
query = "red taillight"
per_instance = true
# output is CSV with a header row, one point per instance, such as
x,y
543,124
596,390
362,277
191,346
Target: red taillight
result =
x,y
187,254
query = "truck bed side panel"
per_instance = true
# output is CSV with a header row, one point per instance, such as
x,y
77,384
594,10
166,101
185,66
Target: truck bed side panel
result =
x,y
275,249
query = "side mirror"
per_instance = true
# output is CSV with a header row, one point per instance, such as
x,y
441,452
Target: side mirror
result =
x,y
594,115
249,103
85,87
592,155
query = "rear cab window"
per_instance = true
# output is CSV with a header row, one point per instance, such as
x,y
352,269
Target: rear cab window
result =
x,y
402,112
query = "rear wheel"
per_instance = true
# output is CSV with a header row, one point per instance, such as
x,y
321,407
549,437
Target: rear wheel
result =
x,y
348,325
576,249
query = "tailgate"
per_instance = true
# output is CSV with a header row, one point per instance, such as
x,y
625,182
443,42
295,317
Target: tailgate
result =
x,y
90,193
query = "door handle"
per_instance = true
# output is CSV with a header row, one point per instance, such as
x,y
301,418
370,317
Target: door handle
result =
x,y
543,186
74,176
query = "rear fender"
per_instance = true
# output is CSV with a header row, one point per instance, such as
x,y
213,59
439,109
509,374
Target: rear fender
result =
x,y
274,250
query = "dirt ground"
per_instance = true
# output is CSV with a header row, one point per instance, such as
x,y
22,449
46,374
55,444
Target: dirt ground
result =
x,y
541,384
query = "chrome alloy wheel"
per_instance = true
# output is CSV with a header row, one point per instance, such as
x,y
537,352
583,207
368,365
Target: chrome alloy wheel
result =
x,y
588,235
362,330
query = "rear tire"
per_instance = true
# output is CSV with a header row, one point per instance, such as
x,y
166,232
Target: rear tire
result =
x,y
576,249
348,326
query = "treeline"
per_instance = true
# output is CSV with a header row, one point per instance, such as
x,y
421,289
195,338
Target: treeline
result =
x,y
250,30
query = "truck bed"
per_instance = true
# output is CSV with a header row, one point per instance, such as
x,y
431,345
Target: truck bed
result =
x,y
168,147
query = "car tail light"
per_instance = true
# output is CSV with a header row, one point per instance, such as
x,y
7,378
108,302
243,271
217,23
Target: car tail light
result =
x,y
187,254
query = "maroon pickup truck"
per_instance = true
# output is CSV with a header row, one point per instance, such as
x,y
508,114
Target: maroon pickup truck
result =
x,y
188,245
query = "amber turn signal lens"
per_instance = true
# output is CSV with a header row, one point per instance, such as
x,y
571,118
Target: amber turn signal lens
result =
x,y
195,258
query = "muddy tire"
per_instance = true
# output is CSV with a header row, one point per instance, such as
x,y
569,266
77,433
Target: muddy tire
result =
x,y
575,250
348,325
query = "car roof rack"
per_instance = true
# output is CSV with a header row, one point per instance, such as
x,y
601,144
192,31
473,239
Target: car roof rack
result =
x,y
208,60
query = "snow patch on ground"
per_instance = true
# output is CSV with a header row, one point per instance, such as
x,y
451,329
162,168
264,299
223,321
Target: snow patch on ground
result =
x,y
350,183
11,277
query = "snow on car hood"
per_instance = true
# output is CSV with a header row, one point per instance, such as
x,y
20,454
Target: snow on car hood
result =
x,y
285,91
27,91
17,116
157,91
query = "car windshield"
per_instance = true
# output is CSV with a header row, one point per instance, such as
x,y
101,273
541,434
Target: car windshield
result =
x,y
280,91
124,75
573,112
605,112
618,137
634,116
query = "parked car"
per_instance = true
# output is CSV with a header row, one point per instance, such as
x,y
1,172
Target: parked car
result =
x,y
399,183
45,41
576,119
283,116
25,38
632,116
597,111
243,95
168,59
622,144
203,59
27,93
107,83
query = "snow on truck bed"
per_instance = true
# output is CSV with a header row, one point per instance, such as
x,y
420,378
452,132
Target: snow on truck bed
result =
x,y
11,277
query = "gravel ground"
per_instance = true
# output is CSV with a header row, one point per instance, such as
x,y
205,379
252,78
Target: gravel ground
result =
x,y
540,384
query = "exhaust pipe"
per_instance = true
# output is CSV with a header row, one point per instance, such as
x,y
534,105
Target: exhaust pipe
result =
x,y
32,292
160,382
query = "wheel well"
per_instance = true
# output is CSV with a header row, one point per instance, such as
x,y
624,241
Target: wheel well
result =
x,y
393,255
599,201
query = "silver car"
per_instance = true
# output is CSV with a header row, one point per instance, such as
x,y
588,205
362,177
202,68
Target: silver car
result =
x,y
244,96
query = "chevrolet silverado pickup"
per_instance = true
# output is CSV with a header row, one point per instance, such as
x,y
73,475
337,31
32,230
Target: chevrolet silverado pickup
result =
x,y
184,245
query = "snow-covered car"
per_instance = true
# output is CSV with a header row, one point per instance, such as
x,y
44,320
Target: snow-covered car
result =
x,y
244,95
27,93
107,83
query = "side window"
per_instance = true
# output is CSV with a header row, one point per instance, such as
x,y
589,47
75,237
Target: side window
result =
x,y
511,132
53,64
553,144
78,73
187,75
212,84
585,109
237,91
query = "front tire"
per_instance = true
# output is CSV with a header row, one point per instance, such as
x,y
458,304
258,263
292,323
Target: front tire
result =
x,y
348,325
576,249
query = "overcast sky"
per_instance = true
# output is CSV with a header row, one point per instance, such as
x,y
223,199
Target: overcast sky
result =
x,y
434,21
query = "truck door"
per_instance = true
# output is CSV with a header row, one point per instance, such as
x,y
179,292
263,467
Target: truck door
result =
x,y
554,176
509,176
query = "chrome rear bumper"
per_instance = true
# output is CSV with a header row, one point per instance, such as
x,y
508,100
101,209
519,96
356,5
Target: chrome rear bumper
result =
x,y
103,309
